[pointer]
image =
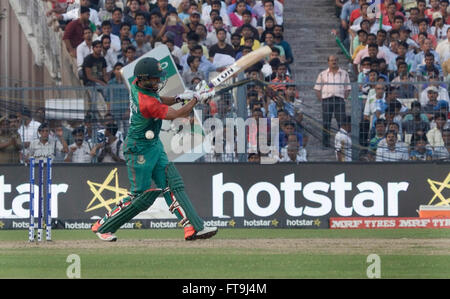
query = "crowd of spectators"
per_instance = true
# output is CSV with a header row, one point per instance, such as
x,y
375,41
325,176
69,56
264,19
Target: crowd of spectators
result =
x,y
102,36
400,54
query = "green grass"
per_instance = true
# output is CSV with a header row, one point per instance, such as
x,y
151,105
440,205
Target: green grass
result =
x,y
232,262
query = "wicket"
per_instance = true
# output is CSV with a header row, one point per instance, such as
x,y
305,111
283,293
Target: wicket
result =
x,y
41,209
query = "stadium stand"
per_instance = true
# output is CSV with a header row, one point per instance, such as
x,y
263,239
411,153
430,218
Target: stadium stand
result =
x,y
343,76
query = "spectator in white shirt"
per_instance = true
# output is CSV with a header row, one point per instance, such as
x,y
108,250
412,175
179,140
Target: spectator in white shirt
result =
x,y
80,150
28,131
392,152
343,141
332,96
84,49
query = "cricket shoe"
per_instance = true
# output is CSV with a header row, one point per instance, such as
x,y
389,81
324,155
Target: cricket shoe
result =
x,y
205,233
107,237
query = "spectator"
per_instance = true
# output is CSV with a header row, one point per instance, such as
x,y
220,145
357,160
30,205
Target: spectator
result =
x,y
111,150
205,65
193,70
434,135
220,6
193,22
428,69
176,28
201,32
420,151
125,32
423,28
439,28
183,9
43,147
294,153
76,12
130,55
268,11
430,12
221,47
432,102
105,13
10,143
73,33
114,39
443,152
116,21
211,37
415,121
343,141
288,128
130,12
413,21
108,54
140,25
391,151
443,48
346,11
405,91
80,150
443,6
83,50
164,8
94,67
28,130
380,132
125,43
142,46
442,92
236,17
332,97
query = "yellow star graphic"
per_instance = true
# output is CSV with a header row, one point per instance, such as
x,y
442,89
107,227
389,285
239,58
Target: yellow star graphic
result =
x,y
232,223
138,224
317,222
274,222
438,191
2,224
106,203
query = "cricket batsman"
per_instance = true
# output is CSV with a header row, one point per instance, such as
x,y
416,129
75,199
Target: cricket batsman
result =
x,y
146,159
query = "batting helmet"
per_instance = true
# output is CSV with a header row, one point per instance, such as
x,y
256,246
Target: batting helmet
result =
x,y
149,67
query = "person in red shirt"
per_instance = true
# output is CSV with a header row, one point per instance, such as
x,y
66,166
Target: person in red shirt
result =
x,y
391,13
73,33
435,7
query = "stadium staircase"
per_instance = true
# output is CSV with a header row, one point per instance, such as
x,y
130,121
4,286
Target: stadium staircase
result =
x,y
308,26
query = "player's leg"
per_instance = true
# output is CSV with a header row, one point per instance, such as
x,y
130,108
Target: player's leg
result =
x,y
141,198
167,178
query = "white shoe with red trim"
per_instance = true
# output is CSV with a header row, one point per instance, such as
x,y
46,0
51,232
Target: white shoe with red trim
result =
x,y
107,237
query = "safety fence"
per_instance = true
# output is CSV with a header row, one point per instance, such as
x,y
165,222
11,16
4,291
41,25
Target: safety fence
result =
x,y
251,120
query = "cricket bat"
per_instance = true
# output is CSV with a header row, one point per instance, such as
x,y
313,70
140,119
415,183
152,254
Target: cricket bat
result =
x,y
240,65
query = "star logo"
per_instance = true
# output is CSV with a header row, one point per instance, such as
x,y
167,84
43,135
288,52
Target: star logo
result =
x,y
232,223
110,184
274,222
2,224
138,224
317,222
437,188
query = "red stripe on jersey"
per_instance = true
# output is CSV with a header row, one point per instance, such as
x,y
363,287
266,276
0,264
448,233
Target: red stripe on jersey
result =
x,y
150,107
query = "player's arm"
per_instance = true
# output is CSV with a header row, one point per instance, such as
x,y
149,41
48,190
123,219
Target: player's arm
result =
x,y
182,112
169,101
